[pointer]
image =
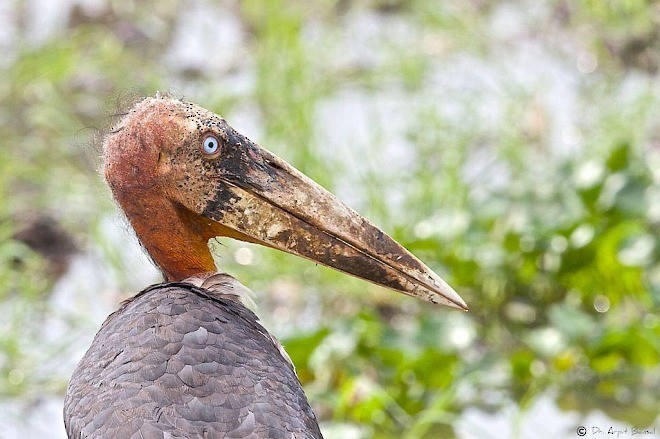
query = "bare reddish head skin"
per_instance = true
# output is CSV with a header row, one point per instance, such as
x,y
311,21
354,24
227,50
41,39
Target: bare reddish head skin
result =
x,y
138,168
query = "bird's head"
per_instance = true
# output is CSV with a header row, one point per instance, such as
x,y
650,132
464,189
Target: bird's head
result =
x,y
183,176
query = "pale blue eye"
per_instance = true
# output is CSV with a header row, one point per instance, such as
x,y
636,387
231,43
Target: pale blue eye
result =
x,y
210,145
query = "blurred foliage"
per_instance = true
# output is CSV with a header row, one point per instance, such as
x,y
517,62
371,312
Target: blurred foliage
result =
x,y
556,252
560,277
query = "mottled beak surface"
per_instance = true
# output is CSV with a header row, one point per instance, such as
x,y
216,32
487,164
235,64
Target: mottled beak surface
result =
x,y
264,198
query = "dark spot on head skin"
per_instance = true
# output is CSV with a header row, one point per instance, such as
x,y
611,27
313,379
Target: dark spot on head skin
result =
x,y
233,137
218,204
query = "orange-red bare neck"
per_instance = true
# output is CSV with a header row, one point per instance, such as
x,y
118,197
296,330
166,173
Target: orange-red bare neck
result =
x,y
174,238
140,177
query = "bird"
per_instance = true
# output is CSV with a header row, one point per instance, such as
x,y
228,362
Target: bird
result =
x,y
185,358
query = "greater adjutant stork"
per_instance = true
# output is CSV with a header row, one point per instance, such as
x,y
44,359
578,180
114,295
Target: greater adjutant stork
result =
x,y
185,358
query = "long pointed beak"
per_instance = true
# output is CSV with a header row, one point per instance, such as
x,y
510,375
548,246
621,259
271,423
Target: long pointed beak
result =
x,y
263,199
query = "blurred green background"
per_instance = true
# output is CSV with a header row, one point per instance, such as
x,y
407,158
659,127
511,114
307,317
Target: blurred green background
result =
x,y
513,146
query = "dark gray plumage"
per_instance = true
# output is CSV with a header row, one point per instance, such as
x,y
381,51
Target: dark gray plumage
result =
x,y
186,361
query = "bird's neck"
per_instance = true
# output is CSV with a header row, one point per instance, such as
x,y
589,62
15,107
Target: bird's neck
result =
x,y
175,238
